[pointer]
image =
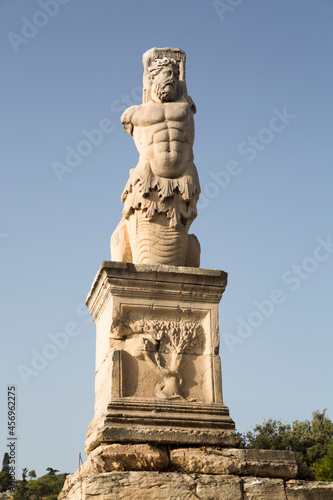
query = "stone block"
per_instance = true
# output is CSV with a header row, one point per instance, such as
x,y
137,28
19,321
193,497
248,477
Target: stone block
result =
x,y
263,489
159,486
269,463
153,485
309,490
162,423
134,457
209,460
115,457
209,487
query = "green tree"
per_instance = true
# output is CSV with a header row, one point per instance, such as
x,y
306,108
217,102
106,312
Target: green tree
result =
x,y
309,439
32,474
52,472
22,490
323,468
47,486
5,479
5,462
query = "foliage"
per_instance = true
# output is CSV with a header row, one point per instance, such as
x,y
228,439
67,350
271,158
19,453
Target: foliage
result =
x,y
22,492
5,463
5,479
52,472
323,468
309,439
32,474
46,487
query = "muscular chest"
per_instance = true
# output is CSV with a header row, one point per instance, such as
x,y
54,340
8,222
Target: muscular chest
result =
x,y
157,113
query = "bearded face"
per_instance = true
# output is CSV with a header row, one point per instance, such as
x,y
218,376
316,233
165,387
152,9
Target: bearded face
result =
x,y
164,85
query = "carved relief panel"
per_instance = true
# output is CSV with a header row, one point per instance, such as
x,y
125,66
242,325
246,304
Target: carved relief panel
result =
x,y
165,354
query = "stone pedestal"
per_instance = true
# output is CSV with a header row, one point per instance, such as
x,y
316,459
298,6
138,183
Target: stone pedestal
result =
x,y
161,430
141,471
158,371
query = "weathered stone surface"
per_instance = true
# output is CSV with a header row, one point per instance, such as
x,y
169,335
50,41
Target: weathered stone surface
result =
x,y
159,486
262,463
309,490
144,421
74,494
269,463
161,194
210,487
263,489
87,483
158,372
203,460
117,456
134,457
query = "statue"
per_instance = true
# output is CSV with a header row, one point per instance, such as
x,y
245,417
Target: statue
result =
x,y
161,194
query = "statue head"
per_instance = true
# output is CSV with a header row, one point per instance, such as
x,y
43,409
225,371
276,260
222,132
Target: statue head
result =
x,y
163,76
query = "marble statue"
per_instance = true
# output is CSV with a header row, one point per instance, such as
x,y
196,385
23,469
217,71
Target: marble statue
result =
x,y
161,429
162,191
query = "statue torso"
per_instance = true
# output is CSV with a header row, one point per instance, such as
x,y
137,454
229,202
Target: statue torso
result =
x,y
164,135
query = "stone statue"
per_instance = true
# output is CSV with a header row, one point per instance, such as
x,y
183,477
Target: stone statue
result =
x,y
159,406
161,194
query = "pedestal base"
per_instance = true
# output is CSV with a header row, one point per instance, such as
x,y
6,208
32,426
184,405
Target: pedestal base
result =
x,y
160,422
158,371
142,471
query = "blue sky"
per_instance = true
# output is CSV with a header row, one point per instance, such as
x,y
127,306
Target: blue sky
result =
x,y
261,75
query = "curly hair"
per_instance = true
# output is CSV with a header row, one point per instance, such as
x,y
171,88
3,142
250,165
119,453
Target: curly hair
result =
x,y
158,64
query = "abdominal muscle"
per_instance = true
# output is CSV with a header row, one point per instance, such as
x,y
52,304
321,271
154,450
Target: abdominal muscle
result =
x,y
169,153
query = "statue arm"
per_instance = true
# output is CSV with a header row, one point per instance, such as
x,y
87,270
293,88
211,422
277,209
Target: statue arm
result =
x,y
189,130
191,104
126,119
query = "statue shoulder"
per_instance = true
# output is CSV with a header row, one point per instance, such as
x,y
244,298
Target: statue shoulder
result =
x,y
191,104
126,119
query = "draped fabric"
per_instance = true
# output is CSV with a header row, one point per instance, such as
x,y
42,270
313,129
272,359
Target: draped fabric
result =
x,y
176,198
